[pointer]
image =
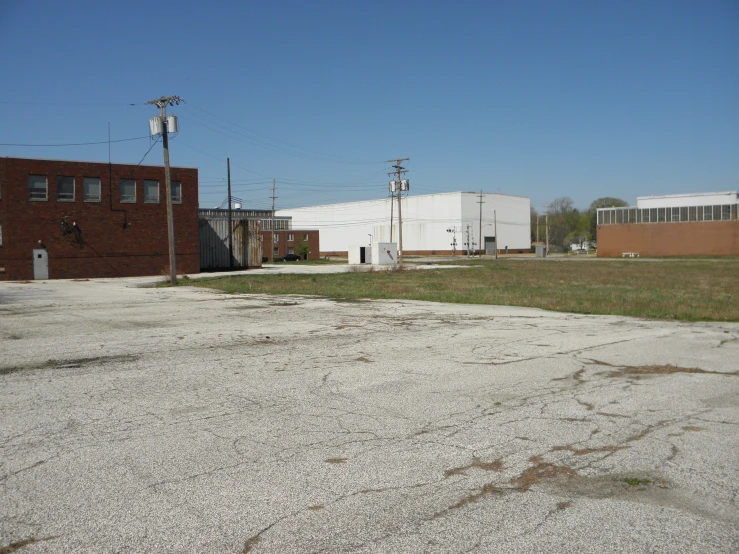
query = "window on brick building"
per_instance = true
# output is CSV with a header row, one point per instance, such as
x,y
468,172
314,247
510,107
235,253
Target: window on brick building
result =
x,y
92,189
290,250
151,192
290,238
176,189
64,188
38,188
128,191
305,236
276,251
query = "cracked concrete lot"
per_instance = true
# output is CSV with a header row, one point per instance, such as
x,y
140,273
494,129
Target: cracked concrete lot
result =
x,y
183,420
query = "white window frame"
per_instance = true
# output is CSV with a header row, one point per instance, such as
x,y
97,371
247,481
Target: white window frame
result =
x,y
46,189
176,185
305,236
127,200
87,181
148,199
275,238
290,238
58,193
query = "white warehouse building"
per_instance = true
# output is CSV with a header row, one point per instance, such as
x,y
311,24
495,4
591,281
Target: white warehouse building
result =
x,y
432,223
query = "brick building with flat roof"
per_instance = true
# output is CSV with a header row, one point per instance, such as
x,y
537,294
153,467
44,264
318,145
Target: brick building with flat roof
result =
x,y
702,224
71,220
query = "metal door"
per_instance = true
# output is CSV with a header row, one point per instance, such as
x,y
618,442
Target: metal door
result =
x,y
490,246
40,263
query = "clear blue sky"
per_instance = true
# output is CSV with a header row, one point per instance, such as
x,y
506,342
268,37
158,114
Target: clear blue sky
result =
x,y
535,98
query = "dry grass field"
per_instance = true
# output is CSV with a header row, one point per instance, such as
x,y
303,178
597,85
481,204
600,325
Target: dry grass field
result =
x,y
671,289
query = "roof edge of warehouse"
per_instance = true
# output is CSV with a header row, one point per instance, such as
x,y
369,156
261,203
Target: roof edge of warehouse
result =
x,y
388,198
688,194
91,162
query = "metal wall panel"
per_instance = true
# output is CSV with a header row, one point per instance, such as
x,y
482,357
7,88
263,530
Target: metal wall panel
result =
x,y
246,240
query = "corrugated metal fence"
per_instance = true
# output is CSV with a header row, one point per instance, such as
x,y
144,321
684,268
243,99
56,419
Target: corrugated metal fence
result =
x,y
246,238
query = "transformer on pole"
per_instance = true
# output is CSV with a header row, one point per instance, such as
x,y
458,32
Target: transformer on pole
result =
x,y
158,125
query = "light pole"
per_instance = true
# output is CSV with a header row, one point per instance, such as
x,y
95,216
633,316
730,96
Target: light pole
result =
x,y
370,236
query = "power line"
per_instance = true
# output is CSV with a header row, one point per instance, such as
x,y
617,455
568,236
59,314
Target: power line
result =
x,y
73,143
83,104
338,159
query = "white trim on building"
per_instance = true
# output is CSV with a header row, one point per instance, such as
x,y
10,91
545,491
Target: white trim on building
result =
x,y
685,200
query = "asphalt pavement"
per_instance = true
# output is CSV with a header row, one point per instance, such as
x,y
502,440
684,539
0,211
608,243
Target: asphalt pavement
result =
x,y
184,420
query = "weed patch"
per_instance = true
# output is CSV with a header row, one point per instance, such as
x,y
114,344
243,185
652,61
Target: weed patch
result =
x,y
635,481
686,289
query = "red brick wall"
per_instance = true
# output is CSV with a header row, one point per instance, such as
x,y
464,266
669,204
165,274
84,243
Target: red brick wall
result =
x,y
699,238
283,244
114,239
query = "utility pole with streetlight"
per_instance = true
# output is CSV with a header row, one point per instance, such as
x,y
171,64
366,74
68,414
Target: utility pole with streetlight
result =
x,y
161,125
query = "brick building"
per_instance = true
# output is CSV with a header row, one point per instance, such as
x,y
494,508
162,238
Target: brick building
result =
x,y
85,219
703,224
285,242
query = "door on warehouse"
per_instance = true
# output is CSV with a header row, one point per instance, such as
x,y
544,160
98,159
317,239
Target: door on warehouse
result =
x,y
40,263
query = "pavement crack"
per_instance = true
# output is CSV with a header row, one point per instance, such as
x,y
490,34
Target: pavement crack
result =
x,y
17,545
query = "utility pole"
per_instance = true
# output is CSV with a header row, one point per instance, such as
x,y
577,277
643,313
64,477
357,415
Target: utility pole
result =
x,y
495,230
272,224
481,202
546,225
401,185
162,103
392,207
230,225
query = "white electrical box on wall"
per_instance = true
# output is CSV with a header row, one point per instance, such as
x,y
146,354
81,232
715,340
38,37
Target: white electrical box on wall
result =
x,y
384,253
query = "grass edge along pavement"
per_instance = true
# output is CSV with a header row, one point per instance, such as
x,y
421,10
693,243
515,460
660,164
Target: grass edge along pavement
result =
x,y
682,290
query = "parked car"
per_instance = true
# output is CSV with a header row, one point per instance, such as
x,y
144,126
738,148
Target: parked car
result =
x,y
291,258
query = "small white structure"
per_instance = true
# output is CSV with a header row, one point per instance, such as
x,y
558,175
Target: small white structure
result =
x,y
379,253
432,223
360,254
384,253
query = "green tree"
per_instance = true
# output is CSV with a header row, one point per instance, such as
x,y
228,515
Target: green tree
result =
x,y
563,219
581,233
534,223
302,249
